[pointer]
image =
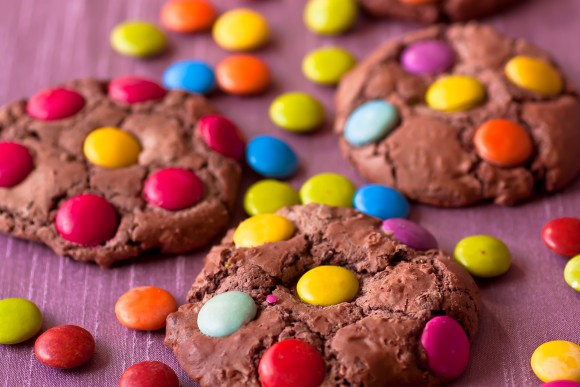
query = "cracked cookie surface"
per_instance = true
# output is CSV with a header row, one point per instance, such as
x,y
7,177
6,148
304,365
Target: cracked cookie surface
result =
x,y
372,340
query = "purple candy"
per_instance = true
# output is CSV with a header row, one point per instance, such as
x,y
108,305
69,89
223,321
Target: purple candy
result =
x,y
561,383
428,57
410,233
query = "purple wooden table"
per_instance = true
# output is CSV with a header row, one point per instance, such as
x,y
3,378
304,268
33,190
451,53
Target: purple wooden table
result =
x,y
46,42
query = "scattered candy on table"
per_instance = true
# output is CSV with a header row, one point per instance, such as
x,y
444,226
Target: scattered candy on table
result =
x,y
271,157
145,308
263,228
327,285
297,112
243,74
111,148
327,65
562,236
222,135
454,93
331,189
557,360
225,313
370,122
129,90
138,39
20,319
503,142
329,17
188,16
483,256
410,233
291,363
268,196
54,104
241,30
534,75
150,373
381,202
194,76
173,189
428,57
16,164
572,273
65,346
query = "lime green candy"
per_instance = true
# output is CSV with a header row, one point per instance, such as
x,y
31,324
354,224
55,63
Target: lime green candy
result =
x,y
483,256
268,196
572,273
20,319
329,17
328,188
139,39
327,65
297,112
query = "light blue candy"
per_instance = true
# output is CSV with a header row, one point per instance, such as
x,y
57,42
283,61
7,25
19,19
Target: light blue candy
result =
x,y
271,157
381,202
226,313
370,122
190,75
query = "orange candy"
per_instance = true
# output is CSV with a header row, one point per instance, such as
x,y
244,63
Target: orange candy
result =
x,y
243,74
145,308
503,142
186,16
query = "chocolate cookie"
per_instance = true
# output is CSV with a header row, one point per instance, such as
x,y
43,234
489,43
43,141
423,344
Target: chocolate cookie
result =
x,y
432,11
338,298
103,171
453,116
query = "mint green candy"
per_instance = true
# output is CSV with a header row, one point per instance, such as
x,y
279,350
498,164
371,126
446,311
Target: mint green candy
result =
x,y
20,319
226,313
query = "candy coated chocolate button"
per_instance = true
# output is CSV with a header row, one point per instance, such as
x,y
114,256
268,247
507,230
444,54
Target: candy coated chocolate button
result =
x,y
297,112
327,65
557,360
534,75
291,363
503,142
193,76
87,220
370,122
428,57
222,135
562,236
149,374
145,308
562,383
130,90
410,233
327,285
261,229
483,256
173,189
55,104
329,17
20,319
268,196
271,157
446,346
381,202
243,74
240,30
138,38
15,164
225,313
111,148
455,93
331,189
187,16
64,346
572,273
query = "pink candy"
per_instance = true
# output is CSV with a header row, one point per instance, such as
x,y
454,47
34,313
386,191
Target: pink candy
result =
x,y
130,90
55,104
173,189
562,383
271,299
221,135
446,346
15,163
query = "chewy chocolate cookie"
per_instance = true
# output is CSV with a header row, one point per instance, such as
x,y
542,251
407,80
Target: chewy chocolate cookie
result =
x,y
453,116
335,302
103,171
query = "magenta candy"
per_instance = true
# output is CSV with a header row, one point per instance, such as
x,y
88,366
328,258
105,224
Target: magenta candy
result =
x,y
173,189
55,104
446,346
15,164
87,220
561,383
410,234
130,90
222,135
428,57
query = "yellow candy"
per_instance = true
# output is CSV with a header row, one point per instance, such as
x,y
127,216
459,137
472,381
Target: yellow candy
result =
x,y
330,16
327,285
111,148
557,360
261,229
455,93
534,75
241,30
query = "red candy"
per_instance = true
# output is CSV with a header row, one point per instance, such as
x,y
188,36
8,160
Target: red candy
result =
x,y
15,164
173,189
129,90
87,220
291,363
562,236
54,104
64,346
222,135
149,374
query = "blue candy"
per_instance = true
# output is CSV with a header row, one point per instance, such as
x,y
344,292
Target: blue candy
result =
x,y
225,313
190,75
381,202
271,157
370,122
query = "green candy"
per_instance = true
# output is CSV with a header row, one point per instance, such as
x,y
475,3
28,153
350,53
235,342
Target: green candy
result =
x,y
20,319
327,65
297,112
483,256
572,273
328,188
138,39
268,196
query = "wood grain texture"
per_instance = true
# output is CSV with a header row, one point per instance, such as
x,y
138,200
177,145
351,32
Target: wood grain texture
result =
x,y
46,42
